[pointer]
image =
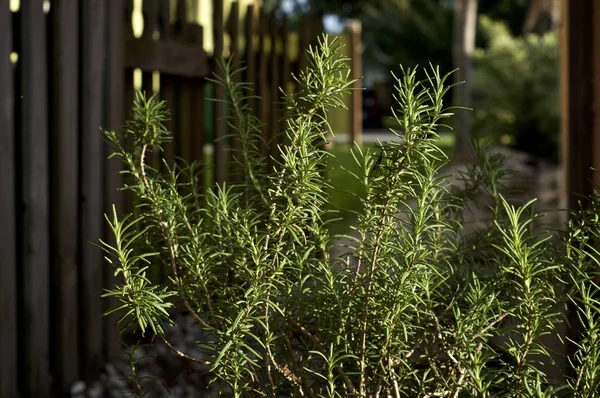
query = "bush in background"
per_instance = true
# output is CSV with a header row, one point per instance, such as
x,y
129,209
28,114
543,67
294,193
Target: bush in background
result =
x,y
516,90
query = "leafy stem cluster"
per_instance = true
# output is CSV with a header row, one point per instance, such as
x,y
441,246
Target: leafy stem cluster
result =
x,y
419,306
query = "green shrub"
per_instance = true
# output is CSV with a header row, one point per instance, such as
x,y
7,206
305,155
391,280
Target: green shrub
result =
x,y
419,307
516,90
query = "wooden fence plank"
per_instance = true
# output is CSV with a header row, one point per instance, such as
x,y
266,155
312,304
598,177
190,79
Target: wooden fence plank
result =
x,y
275,82
91,162
197,99
235,58
183,105
115,118
250,55
286,67
150,12
219,122
303,42
285,78
261,83
64,133
167,81
35,225
8,248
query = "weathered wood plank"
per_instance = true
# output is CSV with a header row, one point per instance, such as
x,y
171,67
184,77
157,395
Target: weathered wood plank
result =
x,y
219,122
64,133
167,56
115,118
35,198
8,248
92,176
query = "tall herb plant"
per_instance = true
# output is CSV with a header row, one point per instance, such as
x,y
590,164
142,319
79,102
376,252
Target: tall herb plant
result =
x,y
417,308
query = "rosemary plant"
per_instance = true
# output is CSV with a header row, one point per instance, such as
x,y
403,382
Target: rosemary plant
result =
x,y
418,307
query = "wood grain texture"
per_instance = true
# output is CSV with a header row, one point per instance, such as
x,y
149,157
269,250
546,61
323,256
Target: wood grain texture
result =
x,y
8,248
35,198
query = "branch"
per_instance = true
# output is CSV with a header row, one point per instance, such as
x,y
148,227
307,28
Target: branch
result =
x,y
316,344
183,355
167,236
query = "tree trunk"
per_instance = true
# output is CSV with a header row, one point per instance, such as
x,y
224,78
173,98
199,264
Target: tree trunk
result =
x,y
465,22
543,16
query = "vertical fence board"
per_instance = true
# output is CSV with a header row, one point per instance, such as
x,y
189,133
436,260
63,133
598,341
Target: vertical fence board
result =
x,y
234,51
250,55
303,42
285,76
34,140
167,84
114,106
91,158
220,124
182,105
197,98
261,82
286,69
8,250
64,133
276,106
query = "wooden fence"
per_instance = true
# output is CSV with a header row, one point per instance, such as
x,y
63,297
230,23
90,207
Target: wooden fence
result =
x,y
74,73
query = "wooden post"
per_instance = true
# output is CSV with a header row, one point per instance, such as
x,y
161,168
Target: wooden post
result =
x,y
35,223
580,102
581,99
8,248
65,139
354,30
92,176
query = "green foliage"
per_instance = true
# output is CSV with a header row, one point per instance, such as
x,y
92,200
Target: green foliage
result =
x,y
516,89
419,307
